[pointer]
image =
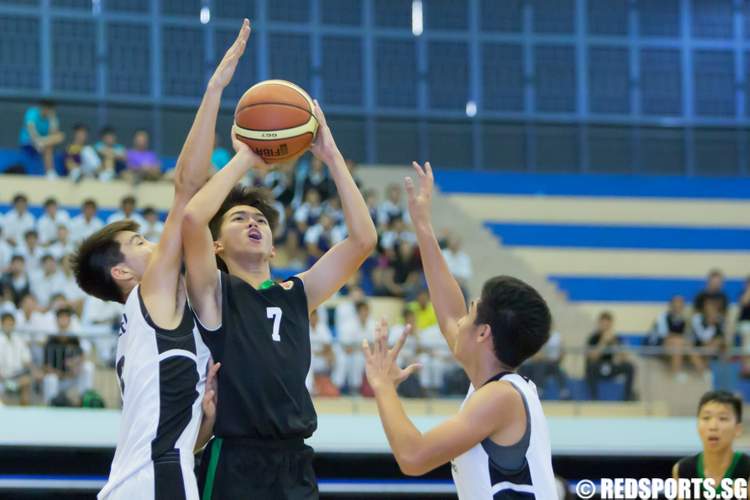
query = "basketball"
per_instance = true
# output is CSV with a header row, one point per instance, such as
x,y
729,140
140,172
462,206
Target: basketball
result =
x,y
275,118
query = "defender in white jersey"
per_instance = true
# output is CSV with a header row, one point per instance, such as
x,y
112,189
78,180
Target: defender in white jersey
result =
x,y
498,443
161,361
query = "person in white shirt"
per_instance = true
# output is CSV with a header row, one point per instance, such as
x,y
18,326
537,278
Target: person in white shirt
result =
x,y
458,261
15,361
392,207
127,211
31,250
72,292
65,361
52,218
321,347
350,362
86,223
16,280
309,212
152,227
6,251
33,324
18,220
62,245
345,314
47,281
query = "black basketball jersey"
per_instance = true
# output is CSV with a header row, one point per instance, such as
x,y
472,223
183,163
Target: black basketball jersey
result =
x,y
263,346
692,467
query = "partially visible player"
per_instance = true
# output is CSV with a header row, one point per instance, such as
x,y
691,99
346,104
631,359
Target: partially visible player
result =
x,y
498,442
259,330
161,360
719,424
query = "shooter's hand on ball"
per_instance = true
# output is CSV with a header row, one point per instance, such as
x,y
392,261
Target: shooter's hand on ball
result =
x,y
256,162
419,202
381,363
225,70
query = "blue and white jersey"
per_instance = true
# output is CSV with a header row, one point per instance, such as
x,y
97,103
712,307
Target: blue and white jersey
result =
x,y
489,471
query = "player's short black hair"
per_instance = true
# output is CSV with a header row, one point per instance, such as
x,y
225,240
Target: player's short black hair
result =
x,y
64,311
95,258
49,202
725,398
518,316
252,197
89,202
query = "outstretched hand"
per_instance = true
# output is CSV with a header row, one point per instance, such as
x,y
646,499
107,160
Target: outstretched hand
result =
x,y
324,148
225,70
381,366
420,201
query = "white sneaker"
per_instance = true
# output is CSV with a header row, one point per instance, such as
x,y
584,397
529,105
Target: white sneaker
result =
x,y
51,175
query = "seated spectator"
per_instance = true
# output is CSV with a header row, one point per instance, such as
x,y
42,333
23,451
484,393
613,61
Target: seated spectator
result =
x,y
332,208
309,212
6,251
65,365
142,163
396,233
350,361
670,331
47,282
345,313
392,207
323,359
743,319
152,227
220,155
30,319
31,250
81,159
17,279
62,245
316,177
127,211
708,333
400,274
6,300
606,360
714,291
52,218
547,364
319,239
86,223
424,313
112,154
18,220
458,261
16,369
40,134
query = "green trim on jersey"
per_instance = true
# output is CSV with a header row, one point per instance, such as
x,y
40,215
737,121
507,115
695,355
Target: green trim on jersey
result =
x,y
266,284
727,474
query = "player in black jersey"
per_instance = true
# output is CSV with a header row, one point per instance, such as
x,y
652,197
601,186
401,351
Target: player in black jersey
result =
x,y
719,424
259,330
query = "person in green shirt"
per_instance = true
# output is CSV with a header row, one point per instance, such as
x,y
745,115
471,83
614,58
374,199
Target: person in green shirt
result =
x,y
719,425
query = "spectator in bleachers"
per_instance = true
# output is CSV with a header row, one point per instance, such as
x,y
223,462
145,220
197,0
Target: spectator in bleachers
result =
x,y
714,292
47,282
316,178
220,155
62,245
18,220
399,274
142,163
345,314
319,238
708,333
670,332
6,251
65,365
392,207
323,358
81,159
605,358
547,364
86,223
308,213
127,211
6,300
112,154
424,312
17,279
16,369
350,361
332,208
52,218
397,231
743,315
435,356
40,134
31,250
458,261
152,227
411,387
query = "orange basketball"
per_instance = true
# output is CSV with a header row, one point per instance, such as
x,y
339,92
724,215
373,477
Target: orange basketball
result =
x,y
275,118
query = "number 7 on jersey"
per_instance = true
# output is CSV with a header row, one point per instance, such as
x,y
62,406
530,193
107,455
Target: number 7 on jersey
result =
x,y
275,314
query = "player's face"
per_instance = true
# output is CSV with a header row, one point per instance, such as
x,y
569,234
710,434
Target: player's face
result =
x,y
717,426
245,230
137,251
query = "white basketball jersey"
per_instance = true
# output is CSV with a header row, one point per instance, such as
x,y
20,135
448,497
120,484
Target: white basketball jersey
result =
x,y
162,376
479,476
